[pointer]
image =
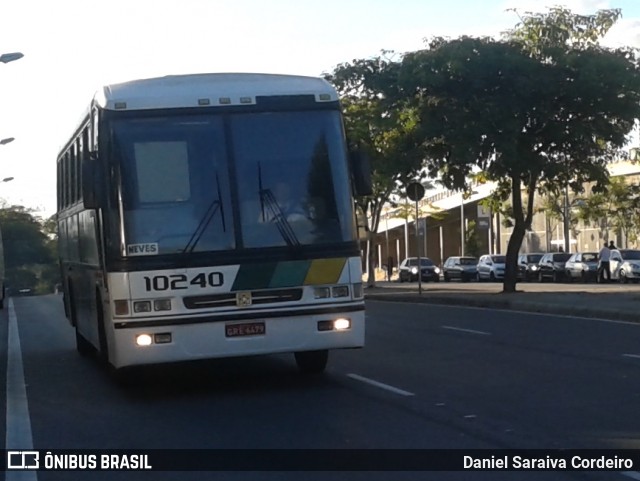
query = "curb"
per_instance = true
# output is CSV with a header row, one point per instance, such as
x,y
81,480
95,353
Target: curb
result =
x,y
509,304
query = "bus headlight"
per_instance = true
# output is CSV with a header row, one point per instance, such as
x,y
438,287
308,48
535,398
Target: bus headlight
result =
x,y
162,305
144,340
321,292
340,291
341,324
142,306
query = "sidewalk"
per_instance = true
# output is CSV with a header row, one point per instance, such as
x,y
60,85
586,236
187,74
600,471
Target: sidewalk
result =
x,y
610,301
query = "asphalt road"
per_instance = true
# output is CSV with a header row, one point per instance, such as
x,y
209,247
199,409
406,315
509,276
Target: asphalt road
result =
x,y
430,377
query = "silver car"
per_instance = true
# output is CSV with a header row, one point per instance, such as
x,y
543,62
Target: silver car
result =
x,y
625,265
491,267
582,266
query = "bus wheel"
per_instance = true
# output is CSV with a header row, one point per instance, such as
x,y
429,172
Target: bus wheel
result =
x,y
312,362
103,350
83,346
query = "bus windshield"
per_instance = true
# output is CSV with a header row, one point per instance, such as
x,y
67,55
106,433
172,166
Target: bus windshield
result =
x,y
194,183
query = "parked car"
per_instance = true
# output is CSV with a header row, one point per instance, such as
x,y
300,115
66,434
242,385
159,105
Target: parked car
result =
x,y
582,266
491,267
408,270
528,266
625,265
552,266
463,268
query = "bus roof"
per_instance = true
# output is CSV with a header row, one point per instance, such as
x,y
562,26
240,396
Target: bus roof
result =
x,y
209,90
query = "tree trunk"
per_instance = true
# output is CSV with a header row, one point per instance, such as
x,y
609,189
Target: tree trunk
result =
x,y
371,277
511,271
521,223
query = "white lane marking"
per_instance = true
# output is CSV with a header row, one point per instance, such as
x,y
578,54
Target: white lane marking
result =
x,y
631,474
470,331
544,314
381,385
18,425
636,356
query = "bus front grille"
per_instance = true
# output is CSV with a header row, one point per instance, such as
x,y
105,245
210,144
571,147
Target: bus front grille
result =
x,y
268,296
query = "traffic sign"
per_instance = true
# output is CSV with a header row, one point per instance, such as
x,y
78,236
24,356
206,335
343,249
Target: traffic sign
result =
x,y
415,191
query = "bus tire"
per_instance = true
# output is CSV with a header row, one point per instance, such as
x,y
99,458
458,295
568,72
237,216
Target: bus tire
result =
x,y
84,347
312,362
103,349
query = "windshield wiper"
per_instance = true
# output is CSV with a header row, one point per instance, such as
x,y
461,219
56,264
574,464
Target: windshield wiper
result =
x,y
214,207
277,215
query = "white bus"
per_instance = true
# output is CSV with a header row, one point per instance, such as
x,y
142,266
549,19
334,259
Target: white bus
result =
x,y
211,215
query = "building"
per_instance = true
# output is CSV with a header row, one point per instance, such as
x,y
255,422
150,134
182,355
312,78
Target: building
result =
x,y
397,237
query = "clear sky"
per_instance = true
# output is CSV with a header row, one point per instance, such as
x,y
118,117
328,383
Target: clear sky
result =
x,y
71,47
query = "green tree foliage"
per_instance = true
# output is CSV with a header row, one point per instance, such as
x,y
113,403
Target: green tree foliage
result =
x,y
472,240
545,108
383,127
617,209
28,250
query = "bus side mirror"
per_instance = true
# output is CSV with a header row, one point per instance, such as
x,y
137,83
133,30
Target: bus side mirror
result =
x,y
89,173
361,171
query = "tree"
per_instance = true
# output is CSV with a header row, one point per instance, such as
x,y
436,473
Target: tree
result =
x,y
538,111
471,240
617,209
383,128
26,247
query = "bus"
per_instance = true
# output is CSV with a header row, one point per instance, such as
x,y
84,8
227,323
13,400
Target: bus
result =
x,y
211,215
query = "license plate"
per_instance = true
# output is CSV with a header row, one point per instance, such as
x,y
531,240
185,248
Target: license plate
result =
x,y
248,329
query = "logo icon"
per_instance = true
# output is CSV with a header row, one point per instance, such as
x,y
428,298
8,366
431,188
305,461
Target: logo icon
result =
x,y
243,299
23,459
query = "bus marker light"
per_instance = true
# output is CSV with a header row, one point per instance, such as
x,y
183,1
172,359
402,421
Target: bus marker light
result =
x,y
341,324
142,306
122,307
246,100
204,101
224,100
162,305
162,338
144,340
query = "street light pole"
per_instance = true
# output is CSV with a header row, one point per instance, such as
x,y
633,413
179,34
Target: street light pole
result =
x,y
567,220
10,57
462,229
462,224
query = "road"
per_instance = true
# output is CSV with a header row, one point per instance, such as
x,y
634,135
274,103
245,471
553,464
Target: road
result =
x,y
430,377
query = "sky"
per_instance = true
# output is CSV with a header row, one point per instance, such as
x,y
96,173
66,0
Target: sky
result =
x,y
72,47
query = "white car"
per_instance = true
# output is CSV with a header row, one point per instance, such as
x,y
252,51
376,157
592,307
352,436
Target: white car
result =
x,y
625,265
491,267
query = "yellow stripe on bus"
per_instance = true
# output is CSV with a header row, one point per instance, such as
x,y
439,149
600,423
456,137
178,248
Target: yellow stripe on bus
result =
x,y
325,271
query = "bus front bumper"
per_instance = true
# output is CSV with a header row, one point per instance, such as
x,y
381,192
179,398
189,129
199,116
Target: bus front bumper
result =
x,y
141,343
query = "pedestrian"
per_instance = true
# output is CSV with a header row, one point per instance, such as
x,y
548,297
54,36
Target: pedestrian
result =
x,y
612,246
604,263
389,268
